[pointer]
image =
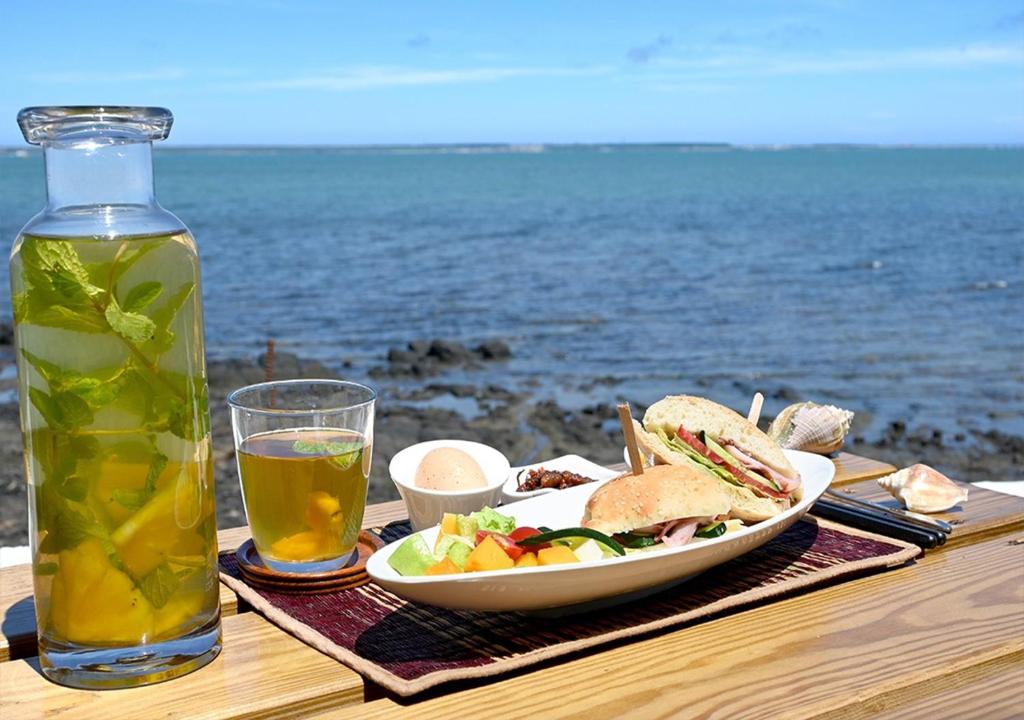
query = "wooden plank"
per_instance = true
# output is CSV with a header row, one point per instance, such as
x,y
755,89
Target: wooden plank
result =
x,y
18,629
986,512
801,657
261,672
986,691
854,468
856,640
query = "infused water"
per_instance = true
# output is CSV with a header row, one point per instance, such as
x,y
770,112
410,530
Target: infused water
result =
x,y
117,447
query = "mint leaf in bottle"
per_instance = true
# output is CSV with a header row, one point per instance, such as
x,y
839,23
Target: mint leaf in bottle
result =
x,y
50,411
62,409
75,411
51,373
49,568
163,336
130,499
69,528
135,499
129,325
159,585
74,488
156,469
142,296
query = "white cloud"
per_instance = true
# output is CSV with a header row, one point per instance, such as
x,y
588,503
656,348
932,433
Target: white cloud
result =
x,y
377,76
76,77
1016,121
752,62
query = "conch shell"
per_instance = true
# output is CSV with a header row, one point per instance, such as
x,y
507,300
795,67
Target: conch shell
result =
x,y
922,489
811,427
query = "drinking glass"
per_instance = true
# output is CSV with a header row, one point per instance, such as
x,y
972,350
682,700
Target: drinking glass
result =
x,y
304,449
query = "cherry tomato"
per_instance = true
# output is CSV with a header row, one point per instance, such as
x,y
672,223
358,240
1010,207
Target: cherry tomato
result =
x,y
521,533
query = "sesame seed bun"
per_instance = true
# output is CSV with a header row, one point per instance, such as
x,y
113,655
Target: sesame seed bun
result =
x,y
727,426
662,493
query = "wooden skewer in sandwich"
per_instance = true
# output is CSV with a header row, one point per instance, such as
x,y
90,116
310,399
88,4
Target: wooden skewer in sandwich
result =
x,y
626,420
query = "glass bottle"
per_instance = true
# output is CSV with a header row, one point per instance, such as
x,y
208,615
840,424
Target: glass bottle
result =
x,y
114,411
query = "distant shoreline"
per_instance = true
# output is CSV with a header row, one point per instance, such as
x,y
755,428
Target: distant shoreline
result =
x,y
523,427
538,147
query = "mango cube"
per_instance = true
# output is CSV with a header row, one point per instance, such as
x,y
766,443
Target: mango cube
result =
x,y
556,555
527,559
323,512
305,546
449,524
488,555
444,567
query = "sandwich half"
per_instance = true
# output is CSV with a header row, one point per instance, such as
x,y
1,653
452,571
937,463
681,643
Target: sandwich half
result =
x,y
700,434
666,504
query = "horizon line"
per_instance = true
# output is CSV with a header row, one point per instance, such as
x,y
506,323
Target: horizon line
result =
x,y
543,145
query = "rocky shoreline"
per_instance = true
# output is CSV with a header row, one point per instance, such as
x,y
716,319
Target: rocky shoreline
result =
x,y
413,408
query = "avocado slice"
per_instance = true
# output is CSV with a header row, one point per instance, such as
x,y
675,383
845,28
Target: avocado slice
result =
x,y
412,557
458,553
446,547
467,526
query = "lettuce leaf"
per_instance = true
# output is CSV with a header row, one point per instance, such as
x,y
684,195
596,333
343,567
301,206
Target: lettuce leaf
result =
x,y
490,519
684,449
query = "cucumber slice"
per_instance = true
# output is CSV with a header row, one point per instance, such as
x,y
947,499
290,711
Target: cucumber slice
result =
x,y
578,532
633,541
712,531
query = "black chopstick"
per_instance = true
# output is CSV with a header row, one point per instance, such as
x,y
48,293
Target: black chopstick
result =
x,y
878,523
929,523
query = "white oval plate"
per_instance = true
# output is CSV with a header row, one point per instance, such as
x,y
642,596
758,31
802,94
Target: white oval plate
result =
x,y
573,463
621,578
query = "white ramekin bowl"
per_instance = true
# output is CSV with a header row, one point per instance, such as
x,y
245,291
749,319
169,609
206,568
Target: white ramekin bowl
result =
x,y
427,506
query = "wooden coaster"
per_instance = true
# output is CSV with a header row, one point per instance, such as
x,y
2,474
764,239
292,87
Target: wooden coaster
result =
x,y
305,583
352,574
305,589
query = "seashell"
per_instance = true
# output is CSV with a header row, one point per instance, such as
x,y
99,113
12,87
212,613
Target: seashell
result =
x,y
811,427
923,489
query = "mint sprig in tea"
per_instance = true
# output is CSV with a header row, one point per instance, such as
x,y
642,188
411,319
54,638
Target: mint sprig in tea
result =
x,y
304,491
117,438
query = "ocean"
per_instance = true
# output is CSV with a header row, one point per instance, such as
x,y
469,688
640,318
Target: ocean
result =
x,y
888,281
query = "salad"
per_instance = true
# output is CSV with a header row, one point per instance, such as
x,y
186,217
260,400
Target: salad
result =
x,y
489,540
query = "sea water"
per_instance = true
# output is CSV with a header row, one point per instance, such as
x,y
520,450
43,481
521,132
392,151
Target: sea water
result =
x,y
890,281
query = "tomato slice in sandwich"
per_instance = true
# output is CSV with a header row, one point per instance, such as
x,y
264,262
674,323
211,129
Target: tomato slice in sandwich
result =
x,y
745,478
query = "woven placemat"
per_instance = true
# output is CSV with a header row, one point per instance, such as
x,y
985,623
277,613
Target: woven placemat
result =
x,y
407,647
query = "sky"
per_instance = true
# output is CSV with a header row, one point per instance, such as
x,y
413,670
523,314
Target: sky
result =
x,y
314,72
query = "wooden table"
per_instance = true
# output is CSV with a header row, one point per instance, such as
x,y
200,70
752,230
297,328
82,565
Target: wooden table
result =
x,y
941,637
